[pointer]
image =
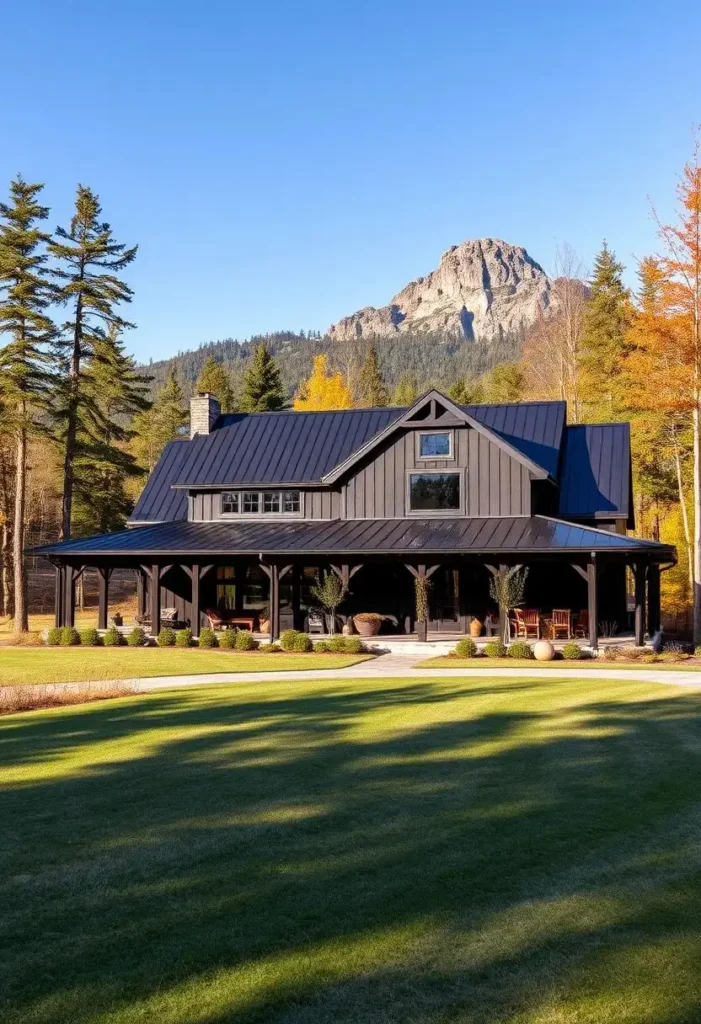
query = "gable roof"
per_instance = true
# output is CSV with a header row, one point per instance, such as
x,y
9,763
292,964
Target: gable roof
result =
x,y
159,502
595,481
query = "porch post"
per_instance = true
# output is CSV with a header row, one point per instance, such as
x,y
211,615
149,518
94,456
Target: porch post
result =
x,y
639,571
654,617
195,577
59,595
593,606
103,576
274,576
140,592
69,606
155,596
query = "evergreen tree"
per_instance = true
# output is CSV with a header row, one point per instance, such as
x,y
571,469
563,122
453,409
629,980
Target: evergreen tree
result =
x,y
89,261
163,422
467,392
406,391
604,343
262,389
372,390
214,379
504,384
323,390
25,295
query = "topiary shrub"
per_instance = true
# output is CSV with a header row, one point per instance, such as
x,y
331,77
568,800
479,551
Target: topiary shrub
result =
x,y
166,638
303,643
520,649
337,644
466,648
353,645
90,638
322,646
70,637
183,638
208,638
495,649
287,639
571,651
227,641
113,638
137,637
245,641
53,637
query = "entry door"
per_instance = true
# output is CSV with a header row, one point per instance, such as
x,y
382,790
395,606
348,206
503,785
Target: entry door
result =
x,y
444,602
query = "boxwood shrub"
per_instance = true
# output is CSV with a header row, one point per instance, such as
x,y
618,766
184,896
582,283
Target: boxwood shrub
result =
x,y
70,637
166,638
183,638
227,641
287,639
337,644
113,638
353,645
303,643
466,648
245,641
572,651
90,638
520,649
322,646
137,637
495,649
53,637
208,638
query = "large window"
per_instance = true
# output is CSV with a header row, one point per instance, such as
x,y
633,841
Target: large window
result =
x,y
253,503
434,492
438,444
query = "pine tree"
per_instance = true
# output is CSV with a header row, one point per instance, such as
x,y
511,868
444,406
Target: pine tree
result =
x,y
406,391
604,344
504,384
214,379
89,261
323,390
467,392
25,295
372,390
262,389
163,422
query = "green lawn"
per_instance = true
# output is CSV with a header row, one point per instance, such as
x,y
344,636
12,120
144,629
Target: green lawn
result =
x,y
600,664
476,851
19,666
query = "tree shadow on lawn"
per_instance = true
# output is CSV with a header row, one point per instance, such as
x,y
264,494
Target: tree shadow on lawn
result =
x,y
408,853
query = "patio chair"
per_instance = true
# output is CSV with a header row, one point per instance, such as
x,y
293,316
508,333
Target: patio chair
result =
x,y
315,621
581,627
526,622
561,624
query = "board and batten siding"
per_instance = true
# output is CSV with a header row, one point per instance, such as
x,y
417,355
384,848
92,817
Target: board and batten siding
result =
x,y
495,483
205,506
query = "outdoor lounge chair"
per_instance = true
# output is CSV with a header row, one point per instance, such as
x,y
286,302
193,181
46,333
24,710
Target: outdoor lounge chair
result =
x,y
561,624
526,623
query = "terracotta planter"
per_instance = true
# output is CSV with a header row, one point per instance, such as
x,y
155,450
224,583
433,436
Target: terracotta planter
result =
x,y
367,628
475,628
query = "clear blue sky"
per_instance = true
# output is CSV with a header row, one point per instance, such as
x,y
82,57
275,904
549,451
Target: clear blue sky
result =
x,y
283,163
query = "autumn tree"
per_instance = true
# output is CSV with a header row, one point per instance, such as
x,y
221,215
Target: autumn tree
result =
x,y
26,292
467,392
603,345
406,391
214,379
372,390
262,389
89,262
323,390
504,384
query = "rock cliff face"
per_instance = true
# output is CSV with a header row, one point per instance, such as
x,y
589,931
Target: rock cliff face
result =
x,y
481,290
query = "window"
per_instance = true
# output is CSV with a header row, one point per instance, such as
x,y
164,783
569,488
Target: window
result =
x,y
253,503
436,445
434,492
230,502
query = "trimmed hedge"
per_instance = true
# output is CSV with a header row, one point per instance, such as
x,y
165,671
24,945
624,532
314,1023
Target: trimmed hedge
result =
x,y
322,646
495,649
166,638
287,639
337,644
70,637
270,649
572,651
520,649
227,641
53,637
466,648
303,643
353,645
245,641
113,638
208,638
137,637
183,638
90,638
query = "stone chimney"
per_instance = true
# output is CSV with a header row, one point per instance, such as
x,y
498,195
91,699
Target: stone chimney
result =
x,y
204,410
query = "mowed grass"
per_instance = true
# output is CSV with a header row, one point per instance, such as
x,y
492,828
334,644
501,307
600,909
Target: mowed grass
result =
x,y
479,851
597,664
22,666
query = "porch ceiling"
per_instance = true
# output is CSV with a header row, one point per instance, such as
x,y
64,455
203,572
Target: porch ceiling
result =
x,y
412,537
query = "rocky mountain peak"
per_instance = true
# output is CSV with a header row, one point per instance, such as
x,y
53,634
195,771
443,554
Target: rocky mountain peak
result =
x,y
482,289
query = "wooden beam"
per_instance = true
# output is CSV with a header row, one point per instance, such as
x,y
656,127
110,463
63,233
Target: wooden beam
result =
x,y
59,595
274,602
103,578
653,599
69,606
639,573
155,595
593,604
141,591
582,572
194,574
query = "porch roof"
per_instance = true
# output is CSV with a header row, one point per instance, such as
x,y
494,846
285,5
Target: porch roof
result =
x,y
518,535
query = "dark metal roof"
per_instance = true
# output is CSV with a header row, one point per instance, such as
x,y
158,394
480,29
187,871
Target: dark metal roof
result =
x,y
534,428
595,478
517,535
158,502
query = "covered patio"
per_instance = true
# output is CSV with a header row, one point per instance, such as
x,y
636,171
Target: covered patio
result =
x,y
265,572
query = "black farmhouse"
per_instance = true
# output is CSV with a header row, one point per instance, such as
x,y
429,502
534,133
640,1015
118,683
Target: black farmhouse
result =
x,y
245,515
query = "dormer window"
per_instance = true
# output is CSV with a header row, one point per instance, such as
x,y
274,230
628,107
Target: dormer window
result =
x,y
436,444
255,503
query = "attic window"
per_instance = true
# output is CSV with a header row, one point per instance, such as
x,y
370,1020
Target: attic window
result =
x,y
436,445
255,503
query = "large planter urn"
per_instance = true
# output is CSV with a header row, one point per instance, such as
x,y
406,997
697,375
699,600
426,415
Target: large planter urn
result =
x,y
475,627
367,624
543,650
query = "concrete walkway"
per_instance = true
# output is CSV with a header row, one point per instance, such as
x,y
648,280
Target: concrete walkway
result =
x,y
399,666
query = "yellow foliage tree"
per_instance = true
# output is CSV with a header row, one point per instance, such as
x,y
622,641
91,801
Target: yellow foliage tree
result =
x,y
323,390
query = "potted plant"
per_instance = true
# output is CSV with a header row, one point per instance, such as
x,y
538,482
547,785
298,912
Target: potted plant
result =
x,y
475,627
367,623
330,594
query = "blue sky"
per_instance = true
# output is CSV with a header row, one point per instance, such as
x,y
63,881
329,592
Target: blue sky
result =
x,y
283,163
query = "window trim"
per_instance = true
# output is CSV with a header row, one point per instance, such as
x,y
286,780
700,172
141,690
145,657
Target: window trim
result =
x,y
435,513
261,513
450,457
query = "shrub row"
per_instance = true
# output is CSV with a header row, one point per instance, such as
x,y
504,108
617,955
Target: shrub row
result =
x,y
67,636
342,645
467,648
229,640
